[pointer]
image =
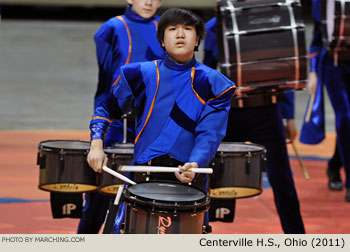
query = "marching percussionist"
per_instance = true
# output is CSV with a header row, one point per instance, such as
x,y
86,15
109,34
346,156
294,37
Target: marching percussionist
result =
x,y
332,70
181,105
263,125
124,39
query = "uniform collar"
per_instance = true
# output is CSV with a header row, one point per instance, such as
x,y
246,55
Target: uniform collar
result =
x,y
132,15
177,66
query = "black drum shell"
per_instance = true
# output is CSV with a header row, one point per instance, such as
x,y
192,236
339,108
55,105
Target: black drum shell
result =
x,y
232,176
139,221
119,154
261,75
145,214
64,168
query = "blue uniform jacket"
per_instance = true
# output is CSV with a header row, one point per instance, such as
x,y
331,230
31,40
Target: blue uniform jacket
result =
x,y
182,109
122,40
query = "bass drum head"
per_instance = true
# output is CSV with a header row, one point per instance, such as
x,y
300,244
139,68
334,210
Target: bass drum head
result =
x,y
160,196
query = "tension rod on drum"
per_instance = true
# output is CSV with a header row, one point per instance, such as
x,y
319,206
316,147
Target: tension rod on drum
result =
x,y
127,168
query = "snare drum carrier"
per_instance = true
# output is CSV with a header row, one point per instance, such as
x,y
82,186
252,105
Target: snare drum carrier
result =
x,y
119,154
158,207
261,47
335,27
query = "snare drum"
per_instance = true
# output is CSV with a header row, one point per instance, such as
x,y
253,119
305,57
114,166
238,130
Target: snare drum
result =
x,y
119,154
158,207
261,44
335,25
237,170
63,167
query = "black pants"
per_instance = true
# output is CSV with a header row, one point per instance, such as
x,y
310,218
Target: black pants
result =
x,y
264,125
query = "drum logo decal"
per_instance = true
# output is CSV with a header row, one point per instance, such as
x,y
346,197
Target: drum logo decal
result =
x,y
163,224
273,20
68,208
221,212
66,187
223,192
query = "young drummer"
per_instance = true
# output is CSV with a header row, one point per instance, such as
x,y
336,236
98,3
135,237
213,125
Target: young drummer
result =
x,y
182,105
131,37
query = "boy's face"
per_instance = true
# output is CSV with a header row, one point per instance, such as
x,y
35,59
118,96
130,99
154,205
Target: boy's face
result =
x,y
179,42
145,8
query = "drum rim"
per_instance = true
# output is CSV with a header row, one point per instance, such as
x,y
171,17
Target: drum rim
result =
x,y
262,148
57,149
161,206
123,149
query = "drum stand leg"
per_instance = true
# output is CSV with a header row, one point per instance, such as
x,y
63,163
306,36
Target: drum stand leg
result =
x,y
112,212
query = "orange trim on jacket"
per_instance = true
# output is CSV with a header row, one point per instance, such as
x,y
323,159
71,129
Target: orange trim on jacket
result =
x,y
193,70
103,118
130,45
152,105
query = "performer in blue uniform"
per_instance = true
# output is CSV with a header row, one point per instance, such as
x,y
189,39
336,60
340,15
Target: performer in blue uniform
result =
x,y
182,106
121,40
335,75
264,125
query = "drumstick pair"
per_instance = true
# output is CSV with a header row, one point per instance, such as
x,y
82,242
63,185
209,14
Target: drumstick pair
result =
x,y
125,168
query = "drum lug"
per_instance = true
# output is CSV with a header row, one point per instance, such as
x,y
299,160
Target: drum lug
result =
x,y
263,161
62,153
114,163
248,162
41,160
217,166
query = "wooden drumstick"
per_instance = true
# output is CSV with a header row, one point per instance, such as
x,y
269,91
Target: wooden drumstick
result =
x,y
126,168
118,175
309,109
306,174
119,195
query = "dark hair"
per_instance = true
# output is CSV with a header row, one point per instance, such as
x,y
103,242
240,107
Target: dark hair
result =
x,y
176,16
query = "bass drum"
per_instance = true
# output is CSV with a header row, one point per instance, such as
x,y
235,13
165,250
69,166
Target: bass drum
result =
x,y
64,168
158,207
279,62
